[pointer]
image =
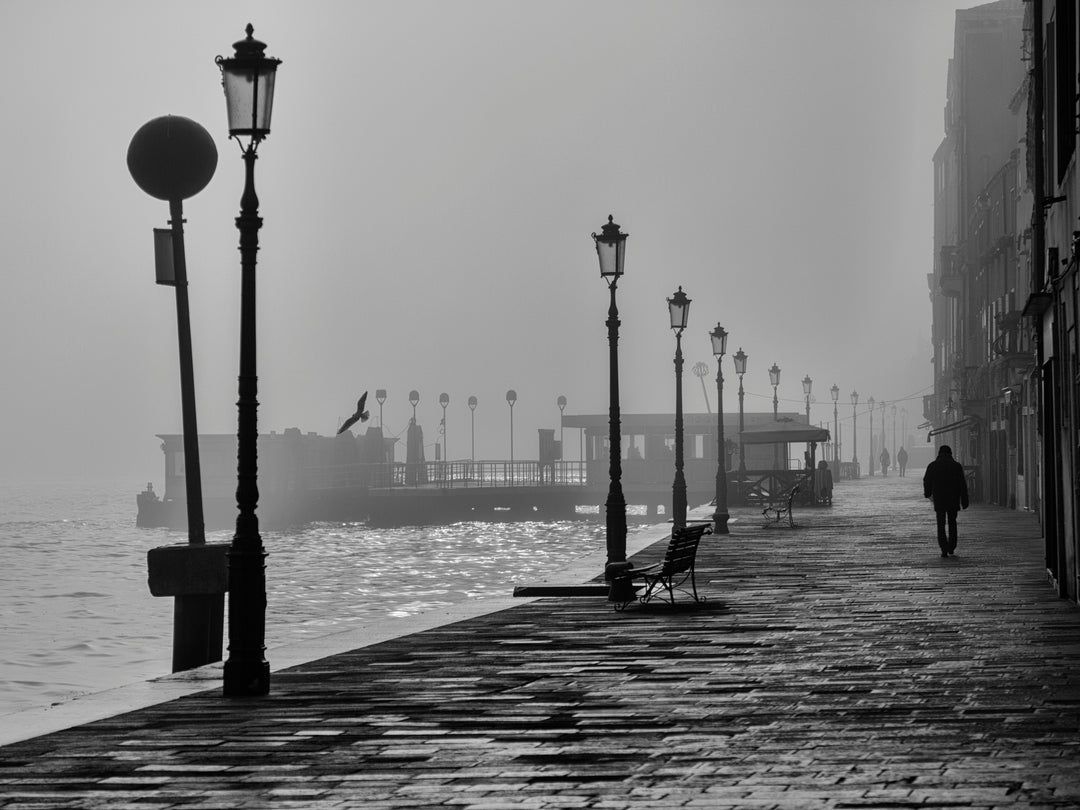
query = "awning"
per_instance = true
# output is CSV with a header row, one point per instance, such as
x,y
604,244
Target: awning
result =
x,y
785,433
967,421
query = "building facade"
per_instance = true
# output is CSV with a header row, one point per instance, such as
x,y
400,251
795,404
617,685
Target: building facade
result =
x,y
1004,287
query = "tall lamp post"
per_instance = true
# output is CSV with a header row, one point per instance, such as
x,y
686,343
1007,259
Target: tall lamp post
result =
x,y
511,398
248,78
560,401
719,348
870,402
835,392
774,381
894,429
679,311
882,403
414,399
611,251
444,400
380,397
472,419
740,368
854,436
807,386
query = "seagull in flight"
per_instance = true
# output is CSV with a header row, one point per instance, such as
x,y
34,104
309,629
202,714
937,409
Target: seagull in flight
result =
x,y
360,416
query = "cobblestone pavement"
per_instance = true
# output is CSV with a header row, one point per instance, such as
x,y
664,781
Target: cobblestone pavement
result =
x,y
842,664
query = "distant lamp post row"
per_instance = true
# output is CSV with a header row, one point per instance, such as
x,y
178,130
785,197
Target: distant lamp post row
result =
x,y
740,357
870,403
835,393
854,434
774,381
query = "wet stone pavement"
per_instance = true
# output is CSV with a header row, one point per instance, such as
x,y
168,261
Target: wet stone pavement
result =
x,y
841,664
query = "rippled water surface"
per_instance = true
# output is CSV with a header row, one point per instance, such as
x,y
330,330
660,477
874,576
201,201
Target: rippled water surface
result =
x,y
78,616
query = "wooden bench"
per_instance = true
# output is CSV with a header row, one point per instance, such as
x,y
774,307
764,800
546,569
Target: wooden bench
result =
x,y
776,510
675,571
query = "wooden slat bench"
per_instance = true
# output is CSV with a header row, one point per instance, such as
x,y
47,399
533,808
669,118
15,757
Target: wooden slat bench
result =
x,y
676,569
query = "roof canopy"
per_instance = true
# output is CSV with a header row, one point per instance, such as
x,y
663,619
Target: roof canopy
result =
x,y
784,433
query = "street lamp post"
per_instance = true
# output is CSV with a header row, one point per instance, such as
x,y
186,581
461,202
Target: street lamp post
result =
x,y
248,78
835,392
560,401
414,399
444,400
740,368
854,436
611,251
870,402
679,311
894,429
511,398
472,419
774,381
882,403
719,338
807,386
380,397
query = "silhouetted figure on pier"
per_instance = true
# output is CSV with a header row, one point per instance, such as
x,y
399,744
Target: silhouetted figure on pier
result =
x,y
945,483
884,458
901,461
823,483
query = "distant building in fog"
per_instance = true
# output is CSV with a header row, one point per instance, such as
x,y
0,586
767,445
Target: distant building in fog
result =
x,y
981,249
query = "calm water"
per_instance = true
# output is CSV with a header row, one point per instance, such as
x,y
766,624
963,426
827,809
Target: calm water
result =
x,y
78,616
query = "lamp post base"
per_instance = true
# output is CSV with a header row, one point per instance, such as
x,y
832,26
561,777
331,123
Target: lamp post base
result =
x,y
720,521
246,679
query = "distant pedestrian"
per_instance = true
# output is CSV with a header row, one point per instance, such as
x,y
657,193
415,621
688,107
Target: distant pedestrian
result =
x,y
823,484
901,461
945,483
884,458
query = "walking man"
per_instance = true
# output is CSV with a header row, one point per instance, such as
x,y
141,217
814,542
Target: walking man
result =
x,y
901,461
944,482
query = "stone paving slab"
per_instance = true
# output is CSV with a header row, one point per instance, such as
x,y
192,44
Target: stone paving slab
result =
x,y
841,664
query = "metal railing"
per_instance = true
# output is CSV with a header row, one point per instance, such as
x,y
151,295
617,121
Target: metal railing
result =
x,y
448,474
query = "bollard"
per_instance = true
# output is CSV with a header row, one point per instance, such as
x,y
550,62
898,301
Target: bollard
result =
x,y
197,577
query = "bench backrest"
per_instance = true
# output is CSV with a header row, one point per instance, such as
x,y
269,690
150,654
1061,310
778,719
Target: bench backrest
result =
x,y
682,548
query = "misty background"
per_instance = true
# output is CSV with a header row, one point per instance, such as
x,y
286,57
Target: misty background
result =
x,y
428,189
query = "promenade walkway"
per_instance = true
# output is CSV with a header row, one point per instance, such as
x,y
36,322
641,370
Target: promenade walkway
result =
x,y
842,664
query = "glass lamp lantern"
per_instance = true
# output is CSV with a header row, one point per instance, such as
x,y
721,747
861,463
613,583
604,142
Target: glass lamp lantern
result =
x,y
611,249
807,385
774,375
679,310
718,336
740,361
835,391
854,398
248,78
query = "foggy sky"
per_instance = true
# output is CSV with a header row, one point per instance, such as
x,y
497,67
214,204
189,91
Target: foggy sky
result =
x,y
428,189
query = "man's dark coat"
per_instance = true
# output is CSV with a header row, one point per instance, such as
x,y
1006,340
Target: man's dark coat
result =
x,y
944,481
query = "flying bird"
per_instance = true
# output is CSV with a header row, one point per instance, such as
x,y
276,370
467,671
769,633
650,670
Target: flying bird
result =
x,y
360,416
